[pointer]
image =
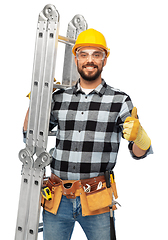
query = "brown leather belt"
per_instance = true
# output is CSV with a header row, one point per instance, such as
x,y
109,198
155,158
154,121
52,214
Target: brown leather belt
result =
x,y
69,187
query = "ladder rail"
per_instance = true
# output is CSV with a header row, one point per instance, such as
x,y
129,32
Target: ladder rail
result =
x,y
25,190
70,73
42,80
34,157
45,104
35,196
35,87
41,91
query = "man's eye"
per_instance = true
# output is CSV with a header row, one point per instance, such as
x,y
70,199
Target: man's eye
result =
x,y
83,55
97,55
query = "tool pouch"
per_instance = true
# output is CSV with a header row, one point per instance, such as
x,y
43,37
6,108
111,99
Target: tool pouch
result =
x,y
56,193
99,199
93,202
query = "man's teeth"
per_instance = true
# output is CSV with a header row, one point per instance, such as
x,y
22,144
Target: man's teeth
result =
x,y
90,67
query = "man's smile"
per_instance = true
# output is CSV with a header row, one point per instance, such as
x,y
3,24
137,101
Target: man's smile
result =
x,y
90,67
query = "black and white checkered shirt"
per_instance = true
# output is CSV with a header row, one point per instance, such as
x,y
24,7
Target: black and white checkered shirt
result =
x,y
89,130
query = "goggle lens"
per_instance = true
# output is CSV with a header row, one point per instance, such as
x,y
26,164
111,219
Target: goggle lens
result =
x,y
96,55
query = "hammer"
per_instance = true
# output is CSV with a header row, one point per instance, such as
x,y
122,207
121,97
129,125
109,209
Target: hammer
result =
x,y
112,227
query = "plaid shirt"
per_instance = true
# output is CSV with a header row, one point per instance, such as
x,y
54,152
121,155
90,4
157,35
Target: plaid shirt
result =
x,y
89,130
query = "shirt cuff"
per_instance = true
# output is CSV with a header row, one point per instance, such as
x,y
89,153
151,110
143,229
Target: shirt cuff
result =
x,y
24,136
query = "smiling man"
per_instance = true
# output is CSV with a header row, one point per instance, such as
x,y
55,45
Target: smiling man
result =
x,y
90,62
91,117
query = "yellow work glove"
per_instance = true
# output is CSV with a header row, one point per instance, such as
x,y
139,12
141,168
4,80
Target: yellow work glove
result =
x,y
133,131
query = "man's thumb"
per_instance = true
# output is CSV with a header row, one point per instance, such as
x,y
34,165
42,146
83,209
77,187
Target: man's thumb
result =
x,y
134,113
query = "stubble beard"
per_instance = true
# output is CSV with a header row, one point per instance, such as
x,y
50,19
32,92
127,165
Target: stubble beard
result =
x,y
89,76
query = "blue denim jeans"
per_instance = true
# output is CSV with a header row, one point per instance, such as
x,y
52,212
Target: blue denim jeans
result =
x,y
61,225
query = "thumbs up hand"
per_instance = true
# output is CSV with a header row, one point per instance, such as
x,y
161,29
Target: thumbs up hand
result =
x,y
131,126
133,131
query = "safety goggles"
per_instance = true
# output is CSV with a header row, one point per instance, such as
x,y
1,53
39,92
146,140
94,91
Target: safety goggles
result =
x,y
97,55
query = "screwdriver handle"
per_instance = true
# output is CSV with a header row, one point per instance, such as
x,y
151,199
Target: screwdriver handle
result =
x,y
107,178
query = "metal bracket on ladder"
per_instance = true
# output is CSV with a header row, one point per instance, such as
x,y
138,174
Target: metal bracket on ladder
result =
x,y
34,157
75,27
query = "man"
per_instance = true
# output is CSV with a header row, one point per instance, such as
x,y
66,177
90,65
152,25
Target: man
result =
x,y
91,118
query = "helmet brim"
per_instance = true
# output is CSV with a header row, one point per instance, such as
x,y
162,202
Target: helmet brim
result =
x,y
76,46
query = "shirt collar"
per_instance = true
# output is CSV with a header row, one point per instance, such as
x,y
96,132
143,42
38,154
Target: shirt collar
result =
x,y
100,90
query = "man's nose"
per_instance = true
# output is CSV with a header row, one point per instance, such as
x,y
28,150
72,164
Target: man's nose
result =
x,y
90,58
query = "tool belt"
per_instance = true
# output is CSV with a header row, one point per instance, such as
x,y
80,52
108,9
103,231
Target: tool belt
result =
x,y
95,201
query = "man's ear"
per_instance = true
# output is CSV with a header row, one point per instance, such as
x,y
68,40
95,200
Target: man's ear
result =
x,y
76,60
105,62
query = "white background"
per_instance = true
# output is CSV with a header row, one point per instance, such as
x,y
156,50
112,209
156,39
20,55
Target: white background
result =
x,y
137,34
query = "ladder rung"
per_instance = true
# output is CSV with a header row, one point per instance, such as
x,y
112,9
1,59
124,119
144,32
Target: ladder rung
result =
x,y
61,86
66,40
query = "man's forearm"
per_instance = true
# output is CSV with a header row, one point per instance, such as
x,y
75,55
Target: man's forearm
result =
x,y
138,152
26,121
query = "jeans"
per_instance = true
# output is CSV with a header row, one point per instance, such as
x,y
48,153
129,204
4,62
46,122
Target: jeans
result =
x,y
61,225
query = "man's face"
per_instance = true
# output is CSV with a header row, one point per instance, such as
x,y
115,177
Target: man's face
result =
x,y
90,62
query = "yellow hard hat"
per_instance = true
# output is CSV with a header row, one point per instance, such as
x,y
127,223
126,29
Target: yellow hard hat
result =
x,y
91,37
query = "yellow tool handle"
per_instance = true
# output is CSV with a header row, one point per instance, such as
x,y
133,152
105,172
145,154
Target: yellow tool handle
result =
x,y
112,177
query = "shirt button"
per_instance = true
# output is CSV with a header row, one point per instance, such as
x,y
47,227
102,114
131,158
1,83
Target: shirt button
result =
x,y
82,112
86,97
